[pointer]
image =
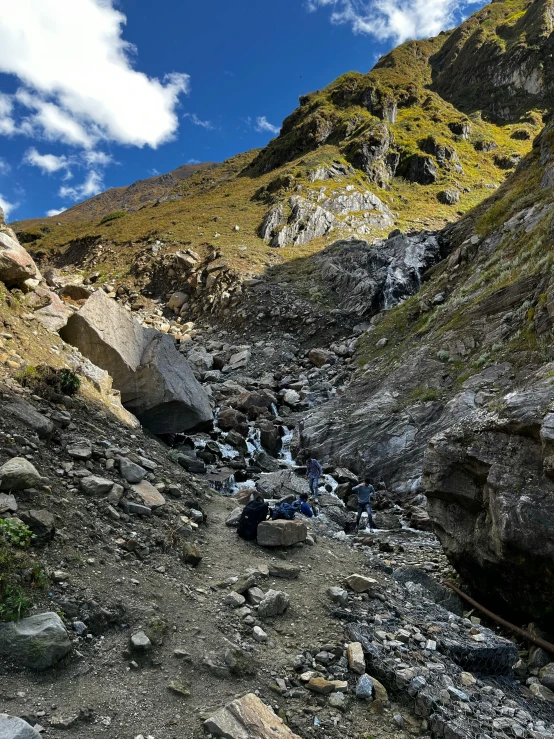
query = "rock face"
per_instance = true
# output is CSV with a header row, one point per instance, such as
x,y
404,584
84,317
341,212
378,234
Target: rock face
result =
x,y
491,501
369,278
281,533
12,727
299,220
155,380
248,718
37,642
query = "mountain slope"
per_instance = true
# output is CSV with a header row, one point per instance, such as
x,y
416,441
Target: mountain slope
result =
x,y
420,140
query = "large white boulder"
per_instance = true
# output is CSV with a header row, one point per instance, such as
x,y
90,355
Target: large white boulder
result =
x,y
16,264
155,380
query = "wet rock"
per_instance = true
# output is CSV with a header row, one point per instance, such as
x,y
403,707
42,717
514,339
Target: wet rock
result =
x,y
281,533
37,642
12,727
18,474
247,718
275,603
154,379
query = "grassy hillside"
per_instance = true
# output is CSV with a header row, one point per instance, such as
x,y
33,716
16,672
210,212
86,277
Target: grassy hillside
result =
x,y
431,122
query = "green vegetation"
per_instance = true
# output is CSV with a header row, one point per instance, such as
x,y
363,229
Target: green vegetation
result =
x,y
113,216
20,576
424,395
48,382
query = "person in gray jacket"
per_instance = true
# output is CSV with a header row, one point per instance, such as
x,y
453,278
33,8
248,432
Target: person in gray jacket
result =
x,y
365,492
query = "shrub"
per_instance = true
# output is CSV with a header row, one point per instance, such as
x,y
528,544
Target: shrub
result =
x,y
19,574
113,216
48,382
443,355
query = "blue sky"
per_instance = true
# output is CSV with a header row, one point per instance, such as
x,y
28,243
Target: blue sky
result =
x,y
97,94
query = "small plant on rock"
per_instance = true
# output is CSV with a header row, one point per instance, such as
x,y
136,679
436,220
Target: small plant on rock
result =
x,y
48,382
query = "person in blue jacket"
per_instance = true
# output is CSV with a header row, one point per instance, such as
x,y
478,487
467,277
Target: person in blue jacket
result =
x,y
303,505
313,472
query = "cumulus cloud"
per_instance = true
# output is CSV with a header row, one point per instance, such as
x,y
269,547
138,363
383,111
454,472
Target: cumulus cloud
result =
x,y
262,125
4,167
197,122
78,82
92,185
7,207
398,20
48,163
54,212
193,161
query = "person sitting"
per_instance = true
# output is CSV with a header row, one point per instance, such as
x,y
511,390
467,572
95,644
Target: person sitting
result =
x,y
303,506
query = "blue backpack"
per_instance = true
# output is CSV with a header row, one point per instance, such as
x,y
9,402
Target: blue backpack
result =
x,y
285,511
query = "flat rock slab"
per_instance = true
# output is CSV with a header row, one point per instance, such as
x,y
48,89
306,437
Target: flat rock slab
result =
x,y
12,727
148,494
283,570
37,642
248,718
281,533
356,658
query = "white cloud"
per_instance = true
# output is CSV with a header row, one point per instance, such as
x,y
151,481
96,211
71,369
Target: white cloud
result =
x,y
54,212
193,161
262,124
99,158
4,167
398,20
78,77
7,207
48,163
91,186
197,122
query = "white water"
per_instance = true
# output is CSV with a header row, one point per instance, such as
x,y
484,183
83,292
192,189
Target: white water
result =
x,y
253,441
286,454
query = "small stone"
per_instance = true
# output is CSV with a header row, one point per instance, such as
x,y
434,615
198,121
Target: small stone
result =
x,y
92,485
130,471
356,659
338,700
140,642
255,596
467,679
259,634
178,688
338,595
364,687
320,685
283,570
235,600
274,603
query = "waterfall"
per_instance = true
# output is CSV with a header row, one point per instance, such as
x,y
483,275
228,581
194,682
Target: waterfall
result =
x,y
253,441
286,454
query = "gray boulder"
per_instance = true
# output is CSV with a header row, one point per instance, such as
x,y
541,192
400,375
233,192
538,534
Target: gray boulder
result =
x,y
281,533
12,727
18,474
37,642
93,485
155,380
130,471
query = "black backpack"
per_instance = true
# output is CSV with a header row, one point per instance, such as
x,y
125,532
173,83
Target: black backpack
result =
x,y
253,514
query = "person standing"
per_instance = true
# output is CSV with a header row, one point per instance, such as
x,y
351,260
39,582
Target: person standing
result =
x,y
313,473
365,492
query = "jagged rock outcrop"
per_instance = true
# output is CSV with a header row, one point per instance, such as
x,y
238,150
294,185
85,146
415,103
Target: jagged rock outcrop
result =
x,y
155,380
490,490
373,277
300,220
